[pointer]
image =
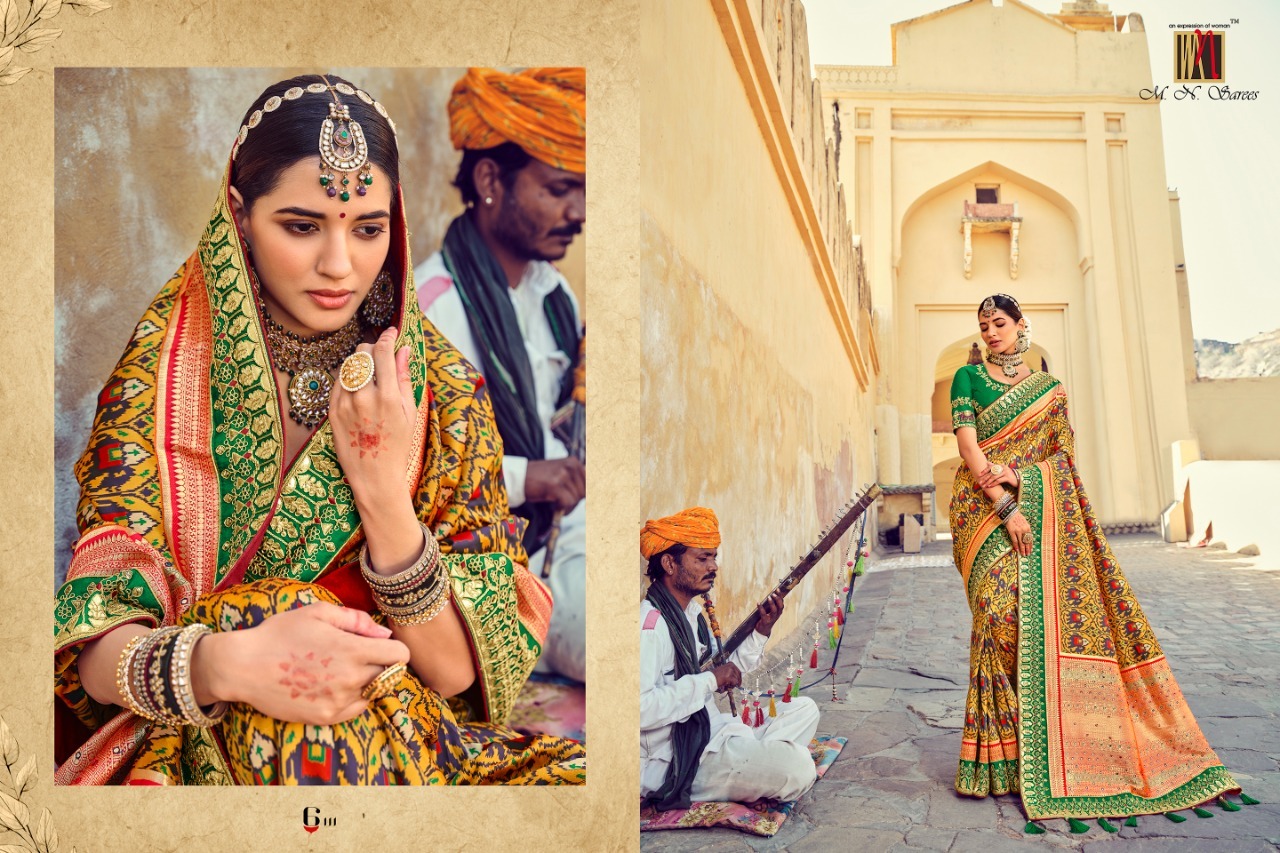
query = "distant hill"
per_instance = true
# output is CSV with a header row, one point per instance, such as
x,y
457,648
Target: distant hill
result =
x,y
1256,356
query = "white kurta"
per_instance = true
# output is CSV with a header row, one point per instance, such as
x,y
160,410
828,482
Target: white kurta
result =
x,y
564,650
740,763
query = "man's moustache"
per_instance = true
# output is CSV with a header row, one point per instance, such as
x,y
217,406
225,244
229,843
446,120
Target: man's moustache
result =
x,y
566,231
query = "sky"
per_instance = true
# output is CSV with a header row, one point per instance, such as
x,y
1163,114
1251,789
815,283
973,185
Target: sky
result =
x,y
1219,155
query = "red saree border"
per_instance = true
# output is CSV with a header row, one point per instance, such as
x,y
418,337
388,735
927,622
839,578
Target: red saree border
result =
x,y
189,480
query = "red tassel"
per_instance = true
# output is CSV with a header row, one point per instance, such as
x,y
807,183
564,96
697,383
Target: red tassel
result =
x,y
786,694
759,715
840,616
813,658
746,713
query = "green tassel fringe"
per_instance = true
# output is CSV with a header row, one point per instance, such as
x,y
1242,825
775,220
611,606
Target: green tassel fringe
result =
x,y
1175,817
1076,826
1133,821
1227,805
1033,829
1106,825
1199,812
1247,800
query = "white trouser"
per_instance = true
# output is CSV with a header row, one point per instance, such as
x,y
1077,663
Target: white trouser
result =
x,y
565,649
772,761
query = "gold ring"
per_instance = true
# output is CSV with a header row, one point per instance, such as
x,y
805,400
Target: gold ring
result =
x,y
997,469
384,682
1028,537
356,371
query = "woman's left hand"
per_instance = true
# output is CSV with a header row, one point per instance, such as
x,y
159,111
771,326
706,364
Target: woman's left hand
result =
x,y
373,427
988,478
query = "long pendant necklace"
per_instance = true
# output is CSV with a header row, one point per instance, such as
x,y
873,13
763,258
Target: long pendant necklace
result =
x,y
308,362
1007,362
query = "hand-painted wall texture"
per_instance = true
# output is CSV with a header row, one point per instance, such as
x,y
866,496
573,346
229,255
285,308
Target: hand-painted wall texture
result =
x,y
139,156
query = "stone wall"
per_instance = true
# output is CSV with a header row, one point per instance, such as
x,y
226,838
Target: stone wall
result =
x,y
753,404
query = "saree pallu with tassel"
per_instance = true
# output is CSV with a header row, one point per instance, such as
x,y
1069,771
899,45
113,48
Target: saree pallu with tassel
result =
x,y
1071,701
190,511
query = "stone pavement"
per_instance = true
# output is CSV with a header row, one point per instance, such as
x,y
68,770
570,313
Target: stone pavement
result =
x,y
902,672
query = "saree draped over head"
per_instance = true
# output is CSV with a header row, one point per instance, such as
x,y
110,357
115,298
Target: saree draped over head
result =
x,y
189,511
1071,701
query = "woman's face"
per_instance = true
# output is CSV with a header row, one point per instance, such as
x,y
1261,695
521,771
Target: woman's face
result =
x,y
1000,332
316,256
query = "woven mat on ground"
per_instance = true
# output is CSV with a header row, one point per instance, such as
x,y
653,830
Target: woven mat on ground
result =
x,y
552,705
763,817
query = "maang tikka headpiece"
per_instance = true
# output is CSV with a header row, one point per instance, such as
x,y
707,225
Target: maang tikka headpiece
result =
x,y
342,144
988,309
343,149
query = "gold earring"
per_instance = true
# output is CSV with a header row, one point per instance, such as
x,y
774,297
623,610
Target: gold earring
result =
x,y
379,304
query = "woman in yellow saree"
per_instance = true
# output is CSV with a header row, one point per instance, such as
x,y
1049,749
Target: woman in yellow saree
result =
x,y
248,588
1070,702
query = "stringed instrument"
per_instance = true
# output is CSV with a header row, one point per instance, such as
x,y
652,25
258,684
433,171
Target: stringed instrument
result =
x,y
849,513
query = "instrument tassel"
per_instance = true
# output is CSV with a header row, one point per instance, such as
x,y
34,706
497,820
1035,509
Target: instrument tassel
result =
x,y
813,658
773,709
759,713
795,688
786,692
746,712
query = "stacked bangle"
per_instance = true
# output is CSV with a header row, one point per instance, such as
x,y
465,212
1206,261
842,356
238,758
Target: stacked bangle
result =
x,y
416,595
1006,509
154,677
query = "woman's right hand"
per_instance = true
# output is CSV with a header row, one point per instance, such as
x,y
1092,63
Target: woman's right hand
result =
x,y
1017,525
307,665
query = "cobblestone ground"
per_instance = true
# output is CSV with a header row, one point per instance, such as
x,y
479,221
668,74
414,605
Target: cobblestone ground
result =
x,y
902,672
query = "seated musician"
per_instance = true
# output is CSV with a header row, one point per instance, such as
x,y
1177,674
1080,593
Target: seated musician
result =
x,y
689,749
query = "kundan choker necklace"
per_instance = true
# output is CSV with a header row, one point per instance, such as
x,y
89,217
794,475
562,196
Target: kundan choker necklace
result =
x,y
308,362
1008,362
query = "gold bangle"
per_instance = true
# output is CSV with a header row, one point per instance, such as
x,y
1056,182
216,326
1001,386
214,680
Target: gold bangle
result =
x,y
384,682
180,679
432,611
122,672
410,577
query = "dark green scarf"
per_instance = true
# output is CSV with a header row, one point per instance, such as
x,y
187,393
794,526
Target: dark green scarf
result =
x,y
689,738
482,285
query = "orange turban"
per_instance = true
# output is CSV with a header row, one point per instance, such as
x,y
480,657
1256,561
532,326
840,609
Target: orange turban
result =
x,y
543,110
693,528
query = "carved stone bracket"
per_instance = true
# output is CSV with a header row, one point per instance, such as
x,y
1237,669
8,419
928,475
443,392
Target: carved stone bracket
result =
x,y
985,218
1013,248
968,249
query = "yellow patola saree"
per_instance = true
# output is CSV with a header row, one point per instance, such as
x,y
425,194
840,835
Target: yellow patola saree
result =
x,y
190,511
1071,701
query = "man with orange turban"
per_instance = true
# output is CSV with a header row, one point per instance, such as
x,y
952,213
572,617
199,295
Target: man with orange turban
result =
x,y
689,749
493,292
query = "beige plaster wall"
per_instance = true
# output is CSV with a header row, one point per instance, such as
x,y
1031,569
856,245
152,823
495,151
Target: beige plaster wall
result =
x,y
1236,418
981,93
751,402
139,154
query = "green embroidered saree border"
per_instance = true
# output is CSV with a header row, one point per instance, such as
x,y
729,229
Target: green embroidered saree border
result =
x,y
484,597
1002,412
1037,798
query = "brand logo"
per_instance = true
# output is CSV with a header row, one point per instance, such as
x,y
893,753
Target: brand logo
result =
x,y
311,820
1198,56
